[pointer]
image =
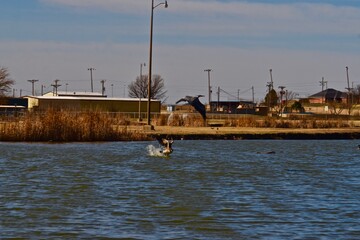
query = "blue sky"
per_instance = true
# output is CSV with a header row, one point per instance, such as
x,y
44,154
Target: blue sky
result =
x,y
302,41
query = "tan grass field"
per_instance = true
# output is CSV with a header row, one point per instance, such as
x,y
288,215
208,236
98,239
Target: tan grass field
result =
x,y
65,126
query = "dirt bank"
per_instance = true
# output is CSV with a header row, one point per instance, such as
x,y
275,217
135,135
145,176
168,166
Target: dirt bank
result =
x,y
253,133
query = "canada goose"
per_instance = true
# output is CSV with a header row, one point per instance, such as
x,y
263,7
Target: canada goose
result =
x,y
167,144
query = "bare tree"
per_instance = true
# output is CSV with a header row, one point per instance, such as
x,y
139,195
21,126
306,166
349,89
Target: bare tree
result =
x,y
139,88
5,81
336,108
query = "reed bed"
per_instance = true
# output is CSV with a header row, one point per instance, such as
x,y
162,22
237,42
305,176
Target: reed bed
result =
x,y
66,126
184,120
286,123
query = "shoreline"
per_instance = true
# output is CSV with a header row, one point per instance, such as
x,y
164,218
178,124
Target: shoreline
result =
x,y
247,133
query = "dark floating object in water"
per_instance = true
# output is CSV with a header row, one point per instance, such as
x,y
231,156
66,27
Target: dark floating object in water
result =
x,y
167,145
269,152
195,102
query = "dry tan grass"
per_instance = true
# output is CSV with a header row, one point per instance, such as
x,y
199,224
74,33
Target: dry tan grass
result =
x,y
178,120
64,126
163,130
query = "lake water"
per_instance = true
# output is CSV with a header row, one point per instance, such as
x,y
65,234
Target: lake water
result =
x,y
206,190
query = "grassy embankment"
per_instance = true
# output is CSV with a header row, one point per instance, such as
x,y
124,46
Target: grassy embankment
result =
x,y
256,127
64,126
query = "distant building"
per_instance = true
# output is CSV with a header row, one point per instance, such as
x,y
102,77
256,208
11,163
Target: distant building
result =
x,y
233,107
102,104
74,94
10,105
327,96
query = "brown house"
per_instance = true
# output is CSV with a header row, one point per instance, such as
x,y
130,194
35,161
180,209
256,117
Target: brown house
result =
x,y
327,96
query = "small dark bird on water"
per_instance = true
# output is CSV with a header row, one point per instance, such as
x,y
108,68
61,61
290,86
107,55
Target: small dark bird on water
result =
x,y
195,102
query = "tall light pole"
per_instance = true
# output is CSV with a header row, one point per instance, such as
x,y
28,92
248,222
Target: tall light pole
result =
x,y
282,92
150,57
33,81
209,86
141,79
91,77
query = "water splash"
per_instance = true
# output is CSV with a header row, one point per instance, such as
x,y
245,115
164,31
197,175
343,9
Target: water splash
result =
x,y
154,151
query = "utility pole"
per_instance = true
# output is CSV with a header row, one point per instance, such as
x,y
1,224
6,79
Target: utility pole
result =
x,y
209,86
347,77
55,85
349,89
33,81
91,77
271,80
253,94
282,92
103,87
42,90
141,79
270,85
323,83
218,100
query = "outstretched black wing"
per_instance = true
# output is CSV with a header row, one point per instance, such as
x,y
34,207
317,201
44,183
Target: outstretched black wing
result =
x,y
161,140
199,107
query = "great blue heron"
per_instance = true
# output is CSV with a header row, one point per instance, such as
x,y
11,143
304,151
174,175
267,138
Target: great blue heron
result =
x,y
195,102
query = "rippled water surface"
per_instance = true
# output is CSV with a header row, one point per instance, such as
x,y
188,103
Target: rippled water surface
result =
x,y
206,190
